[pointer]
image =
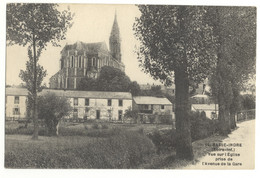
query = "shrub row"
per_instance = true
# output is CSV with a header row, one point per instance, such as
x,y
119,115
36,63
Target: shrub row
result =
x,y
201,127
124,150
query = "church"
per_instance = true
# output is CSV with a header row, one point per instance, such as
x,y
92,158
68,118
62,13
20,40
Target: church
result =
x,y
80,60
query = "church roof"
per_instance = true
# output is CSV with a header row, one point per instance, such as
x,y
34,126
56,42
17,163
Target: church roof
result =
x,y
90,48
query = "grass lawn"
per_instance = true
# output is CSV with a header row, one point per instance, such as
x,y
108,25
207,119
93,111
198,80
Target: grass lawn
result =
x,y
81,146
118,149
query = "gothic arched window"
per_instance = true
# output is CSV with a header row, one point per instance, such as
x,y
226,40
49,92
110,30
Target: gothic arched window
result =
x,y
72,61
79,62
94,61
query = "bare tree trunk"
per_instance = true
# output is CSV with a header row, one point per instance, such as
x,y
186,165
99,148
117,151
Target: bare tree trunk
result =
x,y
233,124
34,94
57,128
223,114
183,124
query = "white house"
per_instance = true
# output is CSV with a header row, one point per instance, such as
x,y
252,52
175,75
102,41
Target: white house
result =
x,y
201,102
96,104
15,103
211,110
152,105
86,104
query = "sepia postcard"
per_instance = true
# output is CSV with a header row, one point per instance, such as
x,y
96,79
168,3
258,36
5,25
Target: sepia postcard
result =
x,y
129,86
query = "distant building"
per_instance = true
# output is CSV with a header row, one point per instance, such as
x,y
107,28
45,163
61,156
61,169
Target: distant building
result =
x,y
15,103
152,105
86,104
81,60
211,110
165,90
201,102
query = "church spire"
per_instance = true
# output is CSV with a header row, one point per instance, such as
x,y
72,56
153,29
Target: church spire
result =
x,y
115,41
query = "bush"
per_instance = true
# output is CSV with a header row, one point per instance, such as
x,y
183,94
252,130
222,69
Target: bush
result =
x,y
124,150
95,126
151,118
165,119
24,131
163,140
201,126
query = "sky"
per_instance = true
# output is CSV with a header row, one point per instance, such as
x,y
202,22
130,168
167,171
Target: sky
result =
x,y
92,23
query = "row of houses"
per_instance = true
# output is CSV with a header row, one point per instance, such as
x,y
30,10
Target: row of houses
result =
x,y
90,104
103,105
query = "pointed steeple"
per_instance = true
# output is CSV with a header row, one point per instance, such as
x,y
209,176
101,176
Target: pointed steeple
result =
x,y
115,41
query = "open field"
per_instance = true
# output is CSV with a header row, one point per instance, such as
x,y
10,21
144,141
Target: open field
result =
x,y
70,129
126,149
116,146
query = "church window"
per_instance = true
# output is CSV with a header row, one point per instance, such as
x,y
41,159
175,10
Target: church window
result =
x,y
72,61
62,64
94,61
89,62
79,61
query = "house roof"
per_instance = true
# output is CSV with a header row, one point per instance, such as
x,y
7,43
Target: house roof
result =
x,y
90,94
205,107
74,93
16,91
151,100
200,96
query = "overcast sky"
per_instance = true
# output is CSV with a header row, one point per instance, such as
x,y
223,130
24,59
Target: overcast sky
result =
x,y
92,23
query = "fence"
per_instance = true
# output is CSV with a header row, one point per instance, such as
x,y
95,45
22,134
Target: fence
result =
x,y
246,115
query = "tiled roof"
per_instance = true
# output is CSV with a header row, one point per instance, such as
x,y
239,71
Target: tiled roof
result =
x,y
90,94
200,96
74,93
205,107
16,91
151,100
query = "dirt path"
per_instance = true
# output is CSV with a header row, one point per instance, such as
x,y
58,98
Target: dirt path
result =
x,y
235,152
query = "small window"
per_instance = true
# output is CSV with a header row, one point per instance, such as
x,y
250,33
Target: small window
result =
x,y
162,106
75,101
16,100
120,103
86,101
109,102
146,107
16,111
152,107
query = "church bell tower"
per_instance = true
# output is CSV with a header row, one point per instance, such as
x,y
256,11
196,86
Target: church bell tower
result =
x,y
115,41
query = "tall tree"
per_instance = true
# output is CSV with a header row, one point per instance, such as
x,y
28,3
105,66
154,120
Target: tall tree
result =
x,y
176,44
34,26
110,79
28,77
235,29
